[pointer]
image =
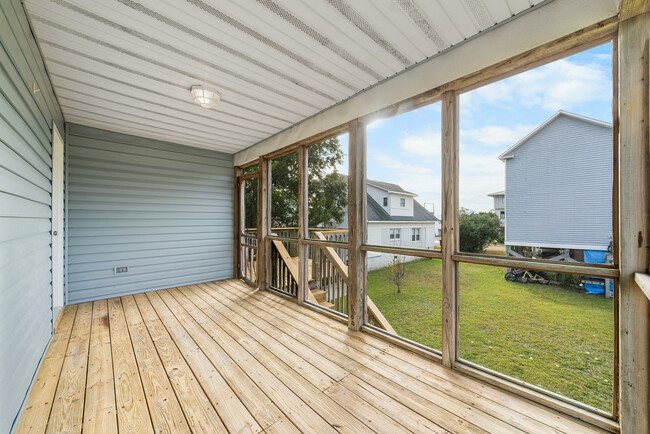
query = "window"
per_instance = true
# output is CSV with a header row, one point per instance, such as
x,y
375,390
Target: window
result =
x,y
385,201
402,202
415,234
395,234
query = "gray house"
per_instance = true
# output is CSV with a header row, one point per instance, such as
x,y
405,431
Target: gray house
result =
x,y
559,185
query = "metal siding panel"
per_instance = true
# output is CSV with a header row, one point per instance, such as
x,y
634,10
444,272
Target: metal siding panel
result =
x,y
165,211
25,209
559,186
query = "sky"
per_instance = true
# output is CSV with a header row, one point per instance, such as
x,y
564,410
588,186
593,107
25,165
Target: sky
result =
x,y
405,149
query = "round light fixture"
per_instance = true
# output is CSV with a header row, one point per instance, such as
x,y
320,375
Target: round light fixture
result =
x,y
205,97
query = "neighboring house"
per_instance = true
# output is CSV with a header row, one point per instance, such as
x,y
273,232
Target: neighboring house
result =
x,y
559,186
395,218
499,206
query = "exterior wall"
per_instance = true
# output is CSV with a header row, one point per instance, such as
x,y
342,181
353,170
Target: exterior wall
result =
x,y
396,209
378,234
499,202
379,195
559,187
25,209
165,211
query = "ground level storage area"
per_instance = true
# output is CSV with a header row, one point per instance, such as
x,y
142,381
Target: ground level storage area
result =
x,y
224,357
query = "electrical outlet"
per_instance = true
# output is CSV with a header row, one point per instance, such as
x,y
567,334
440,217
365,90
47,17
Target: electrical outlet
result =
x,y
120,270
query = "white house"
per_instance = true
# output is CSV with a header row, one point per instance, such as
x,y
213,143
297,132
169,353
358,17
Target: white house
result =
x,y
559,186
395,218
499,206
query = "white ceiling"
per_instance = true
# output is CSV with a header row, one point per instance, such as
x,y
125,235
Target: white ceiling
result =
x,y
128,65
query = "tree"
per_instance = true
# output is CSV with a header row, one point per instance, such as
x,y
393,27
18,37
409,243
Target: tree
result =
x,y
328,197
397,272
477,230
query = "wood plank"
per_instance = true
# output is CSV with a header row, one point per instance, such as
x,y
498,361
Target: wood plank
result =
x,y
303,225
401,358
165,411
67,409
309,364
200,415
132,411
634,213
39,402
632,8
234,415
443,384
378,317
100,413
356,226
449,228
298,411
439,407
238,218
263,225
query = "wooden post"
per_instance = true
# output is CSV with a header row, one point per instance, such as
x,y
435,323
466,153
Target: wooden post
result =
x,y
356,226
449,228
303,227
263,224
634,227
238,207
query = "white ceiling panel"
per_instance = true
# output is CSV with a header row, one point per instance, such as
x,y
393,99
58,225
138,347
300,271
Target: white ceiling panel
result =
x,y
128,65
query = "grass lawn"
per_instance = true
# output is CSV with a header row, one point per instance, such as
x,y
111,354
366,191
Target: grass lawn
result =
x,y
551,336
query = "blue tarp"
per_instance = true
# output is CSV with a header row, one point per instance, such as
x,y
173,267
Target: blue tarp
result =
x,y
595,257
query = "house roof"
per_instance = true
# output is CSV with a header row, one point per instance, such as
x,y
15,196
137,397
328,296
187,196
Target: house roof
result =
x,y
376,212
507,154
498,193
391,188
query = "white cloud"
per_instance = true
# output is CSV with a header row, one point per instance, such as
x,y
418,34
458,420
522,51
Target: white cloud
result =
x,y
563,84
399,166
425,144
495,135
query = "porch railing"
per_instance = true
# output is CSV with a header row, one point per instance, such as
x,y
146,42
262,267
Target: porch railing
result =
x,y
248,258
284,270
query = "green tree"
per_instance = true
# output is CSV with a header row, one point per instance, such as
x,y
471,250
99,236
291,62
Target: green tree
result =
x,y
477,230
328,197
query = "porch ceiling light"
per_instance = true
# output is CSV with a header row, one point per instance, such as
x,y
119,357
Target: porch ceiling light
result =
x,y
205,97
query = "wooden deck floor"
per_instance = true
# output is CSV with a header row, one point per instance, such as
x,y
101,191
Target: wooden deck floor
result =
x,y
221,357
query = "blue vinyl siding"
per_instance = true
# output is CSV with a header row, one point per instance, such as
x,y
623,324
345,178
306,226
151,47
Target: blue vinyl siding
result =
x,y
163,210
559,186
25,209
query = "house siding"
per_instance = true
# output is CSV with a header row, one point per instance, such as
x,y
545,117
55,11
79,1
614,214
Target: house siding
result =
x,y
26,119
559,187
163,210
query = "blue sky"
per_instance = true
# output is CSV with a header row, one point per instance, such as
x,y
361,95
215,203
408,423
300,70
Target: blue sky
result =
x,y
406,149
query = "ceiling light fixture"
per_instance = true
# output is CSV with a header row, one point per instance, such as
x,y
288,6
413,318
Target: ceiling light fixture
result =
x,y
205,97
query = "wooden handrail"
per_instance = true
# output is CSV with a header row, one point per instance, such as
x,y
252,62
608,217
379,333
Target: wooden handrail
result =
x,y
291,265
333,257
643,280
379,319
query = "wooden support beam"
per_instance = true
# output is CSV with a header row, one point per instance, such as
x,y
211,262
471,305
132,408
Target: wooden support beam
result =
x,y
449,228
237,221
634,227
632,8
263,224
303,224
356,225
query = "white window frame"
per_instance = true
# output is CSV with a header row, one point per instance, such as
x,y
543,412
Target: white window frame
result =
x,y
395,234
415,234
402,202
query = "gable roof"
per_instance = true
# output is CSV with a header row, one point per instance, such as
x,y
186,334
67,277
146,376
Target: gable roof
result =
x,y
498,193
391,188
506,155
377,213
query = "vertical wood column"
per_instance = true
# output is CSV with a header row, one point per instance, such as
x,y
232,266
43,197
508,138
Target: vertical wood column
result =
x,y
303,225
449,228
634,197
238,207
263,223
356,225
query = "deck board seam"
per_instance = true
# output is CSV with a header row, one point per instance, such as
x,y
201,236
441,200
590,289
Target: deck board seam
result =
x,y
287,415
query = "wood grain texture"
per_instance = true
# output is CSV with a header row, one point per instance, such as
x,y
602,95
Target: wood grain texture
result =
x,y
357,224
39,403
226,357
132,411
634,227
632,8
449,228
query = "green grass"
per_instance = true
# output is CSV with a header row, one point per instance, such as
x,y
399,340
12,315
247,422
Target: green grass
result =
x,y
554,337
